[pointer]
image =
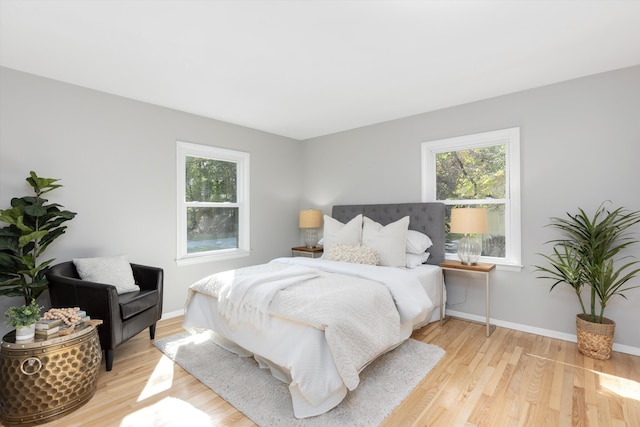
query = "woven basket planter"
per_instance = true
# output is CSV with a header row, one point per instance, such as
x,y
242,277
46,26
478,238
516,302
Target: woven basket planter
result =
x,y
595,339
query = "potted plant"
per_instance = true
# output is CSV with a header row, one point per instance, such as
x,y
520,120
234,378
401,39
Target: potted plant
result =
x,y
32,226
24,319
589,256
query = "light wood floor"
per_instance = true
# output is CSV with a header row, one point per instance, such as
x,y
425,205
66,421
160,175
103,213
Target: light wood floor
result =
x,y
510,379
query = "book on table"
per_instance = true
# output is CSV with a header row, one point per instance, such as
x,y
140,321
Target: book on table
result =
x,y
46,333
48,324
54,331
43,324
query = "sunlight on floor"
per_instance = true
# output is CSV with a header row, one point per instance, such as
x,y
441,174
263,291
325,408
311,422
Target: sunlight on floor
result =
x,y
623,387
620,386
166,413
160,380
169,411
162,377
196,337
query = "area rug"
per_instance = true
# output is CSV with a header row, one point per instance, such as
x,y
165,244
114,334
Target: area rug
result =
x,y
266,401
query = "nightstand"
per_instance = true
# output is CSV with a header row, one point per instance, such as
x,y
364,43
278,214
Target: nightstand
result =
x,y
479,268
43,379
315,252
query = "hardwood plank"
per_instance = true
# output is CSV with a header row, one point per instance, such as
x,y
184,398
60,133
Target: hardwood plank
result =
x,y
511,378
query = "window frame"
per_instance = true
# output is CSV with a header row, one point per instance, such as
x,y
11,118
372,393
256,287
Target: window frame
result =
x,y
242,160
510,137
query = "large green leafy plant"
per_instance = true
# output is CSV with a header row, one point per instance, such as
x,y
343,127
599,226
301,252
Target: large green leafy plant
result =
x,y
589,255
32,226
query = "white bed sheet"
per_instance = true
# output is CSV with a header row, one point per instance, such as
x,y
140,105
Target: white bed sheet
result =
x,y
312,363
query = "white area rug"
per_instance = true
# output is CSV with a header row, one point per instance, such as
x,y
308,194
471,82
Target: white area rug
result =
x,y
253,391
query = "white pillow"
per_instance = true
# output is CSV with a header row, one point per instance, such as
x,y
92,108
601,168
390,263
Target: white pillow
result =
x,y
417,242
415,260
390,241
108,270
336,232
354,254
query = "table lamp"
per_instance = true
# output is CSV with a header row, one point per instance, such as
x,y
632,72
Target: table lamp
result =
x,y
310,220
469,221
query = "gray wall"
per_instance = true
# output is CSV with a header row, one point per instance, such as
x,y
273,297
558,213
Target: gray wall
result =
x,y
117,161
580,145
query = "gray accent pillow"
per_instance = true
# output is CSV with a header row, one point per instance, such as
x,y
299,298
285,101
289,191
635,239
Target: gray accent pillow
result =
x,y
114,271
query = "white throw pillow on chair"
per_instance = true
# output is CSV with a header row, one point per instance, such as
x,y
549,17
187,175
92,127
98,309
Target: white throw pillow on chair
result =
x,y
108,270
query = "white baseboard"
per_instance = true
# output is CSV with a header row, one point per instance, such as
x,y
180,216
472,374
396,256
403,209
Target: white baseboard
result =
x,y
172,314
538,331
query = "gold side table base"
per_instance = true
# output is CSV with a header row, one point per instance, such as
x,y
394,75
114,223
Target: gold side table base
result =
x,y
41,381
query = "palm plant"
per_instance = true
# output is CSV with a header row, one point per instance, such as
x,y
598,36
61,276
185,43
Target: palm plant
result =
x,y
588,254
33,226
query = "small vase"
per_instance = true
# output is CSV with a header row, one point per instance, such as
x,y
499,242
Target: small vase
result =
x,y
25,332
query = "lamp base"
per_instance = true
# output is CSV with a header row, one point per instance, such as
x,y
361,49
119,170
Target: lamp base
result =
x,y
469,250
310,237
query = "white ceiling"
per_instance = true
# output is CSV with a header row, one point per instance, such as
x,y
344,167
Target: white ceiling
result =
x,y
309,68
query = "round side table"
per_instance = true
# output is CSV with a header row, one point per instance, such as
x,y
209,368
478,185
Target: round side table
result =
x,y
42,380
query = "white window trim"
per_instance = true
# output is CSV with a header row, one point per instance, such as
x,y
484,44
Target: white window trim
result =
x,y
511,138
242,159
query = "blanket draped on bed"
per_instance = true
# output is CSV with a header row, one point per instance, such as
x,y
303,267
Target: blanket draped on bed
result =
x,y
247,297
361,318
409,295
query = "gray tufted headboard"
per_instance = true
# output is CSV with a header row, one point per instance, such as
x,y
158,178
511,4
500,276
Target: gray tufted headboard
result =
x,y
427,218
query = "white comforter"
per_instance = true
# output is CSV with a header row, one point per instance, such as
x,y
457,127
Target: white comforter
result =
x,y
410,298
363,311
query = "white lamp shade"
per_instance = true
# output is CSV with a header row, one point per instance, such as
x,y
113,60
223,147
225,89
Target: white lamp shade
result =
x,y
469,220
310,218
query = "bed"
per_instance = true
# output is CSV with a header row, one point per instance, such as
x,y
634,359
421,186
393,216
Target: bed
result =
x,y
318,322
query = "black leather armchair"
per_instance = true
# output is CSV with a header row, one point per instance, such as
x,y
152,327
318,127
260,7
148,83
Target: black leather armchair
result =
x,y
123,316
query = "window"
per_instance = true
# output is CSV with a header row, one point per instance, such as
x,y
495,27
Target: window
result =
x,y
213,203
480,170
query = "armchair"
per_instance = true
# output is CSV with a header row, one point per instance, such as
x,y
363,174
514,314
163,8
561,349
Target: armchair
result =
x,y
123,315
